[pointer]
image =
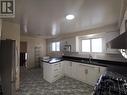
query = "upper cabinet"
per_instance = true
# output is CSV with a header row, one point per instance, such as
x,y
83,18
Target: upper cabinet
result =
x,y
68,44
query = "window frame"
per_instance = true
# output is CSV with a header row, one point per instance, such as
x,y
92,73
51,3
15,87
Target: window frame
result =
x,y
90,44
55,43
101,45
82,46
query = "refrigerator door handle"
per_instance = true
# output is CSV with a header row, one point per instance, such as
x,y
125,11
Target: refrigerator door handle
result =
x,y
13,81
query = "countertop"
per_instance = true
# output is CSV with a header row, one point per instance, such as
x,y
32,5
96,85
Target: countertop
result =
x,y
52,60
97,62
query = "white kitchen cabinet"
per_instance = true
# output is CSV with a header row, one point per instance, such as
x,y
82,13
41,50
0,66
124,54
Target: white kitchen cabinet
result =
x,y
52,72
102,70
62,67
74,69
92,74
71,69
68,68
83,72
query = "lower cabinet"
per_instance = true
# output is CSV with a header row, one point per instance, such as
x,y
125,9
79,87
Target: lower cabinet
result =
x,y
68,68
83,72
75,68
92,75
52,72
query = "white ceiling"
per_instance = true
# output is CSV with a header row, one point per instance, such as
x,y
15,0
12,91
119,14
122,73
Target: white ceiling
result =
x,y
47,17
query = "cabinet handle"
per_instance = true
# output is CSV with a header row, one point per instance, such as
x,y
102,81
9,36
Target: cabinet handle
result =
x,y
99,70
55,76
56,70
86,71
56,64
59,64
71,64
87,66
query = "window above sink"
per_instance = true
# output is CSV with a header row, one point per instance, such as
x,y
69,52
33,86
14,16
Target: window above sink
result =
x,y
91,45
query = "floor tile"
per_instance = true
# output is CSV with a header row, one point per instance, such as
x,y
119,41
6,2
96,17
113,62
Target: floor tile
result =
x,y
32,83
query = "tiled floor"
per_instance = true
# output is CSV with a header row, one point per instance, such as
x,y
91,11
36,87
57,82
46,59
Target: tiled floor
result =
x,y
32,83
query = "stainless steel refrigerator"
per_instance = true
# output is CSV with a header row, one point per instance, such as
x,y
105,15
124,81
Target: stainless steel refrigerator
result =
x,y
7,66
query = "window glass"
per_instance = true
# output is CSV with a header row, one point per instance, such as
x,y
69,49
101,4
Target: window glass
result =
x,y
91,45
85,45
53,46
97,45
57,46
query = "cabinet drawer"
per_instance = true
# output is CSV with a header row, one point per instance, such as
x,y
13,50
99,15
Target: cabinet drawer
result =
x,y
56,71
56,66
89,66
57,76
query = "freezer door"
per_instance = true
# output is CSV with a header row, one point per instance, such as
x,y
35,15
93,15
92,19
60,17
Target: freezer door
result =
x,y
7,66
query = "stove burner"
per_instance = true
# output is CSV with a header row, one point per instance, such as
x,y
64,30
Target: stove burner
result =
x,y
110,84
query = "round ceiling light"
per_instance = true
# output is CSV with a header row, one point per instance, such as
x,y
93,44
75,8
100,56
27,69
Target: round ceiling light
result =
x,y
70,17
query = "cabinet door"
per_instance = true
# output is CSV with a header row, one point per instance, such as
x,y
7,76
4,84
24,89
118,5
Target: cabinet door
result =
x,y
81,72
92,75
65,67
62,67
68,68
47,71
102,70
75,70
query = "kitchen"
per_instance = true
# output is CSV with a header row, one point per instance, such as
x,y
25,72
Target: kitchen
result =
x,y
72,47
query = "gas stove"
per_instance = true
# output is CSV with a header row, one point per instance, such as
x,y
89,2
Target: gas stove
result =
x,y
1,90
111,84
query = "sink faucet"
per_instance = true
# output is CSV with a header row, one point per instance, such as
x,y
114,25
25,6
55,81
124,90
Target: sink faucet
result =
x,y
90,58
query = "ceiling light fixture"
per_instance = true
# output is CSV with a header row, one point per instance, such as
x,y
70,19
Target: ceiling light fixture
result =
x,y
70,17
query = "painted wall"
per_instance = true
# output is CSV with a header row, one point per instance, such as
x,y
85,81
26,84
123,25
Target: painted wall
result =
x,y
123,27
106,37
107,33
108,28
32,43
12,31
72,38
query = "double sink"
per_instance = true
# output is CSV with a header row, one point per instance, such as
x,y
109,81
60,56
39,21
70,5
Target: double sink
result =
x,y
85,61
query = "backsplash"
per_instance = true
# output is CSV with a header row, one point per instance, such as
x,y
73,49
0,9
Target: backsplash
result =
x,y
104,56
55,54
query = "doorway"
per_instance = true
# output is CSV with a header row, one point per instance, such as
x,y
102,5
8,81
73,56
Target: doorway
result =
x,y
23,54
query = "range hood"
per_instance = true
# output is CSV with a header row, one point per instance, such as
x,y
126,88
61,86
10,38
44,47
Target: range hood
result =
x,y
119,42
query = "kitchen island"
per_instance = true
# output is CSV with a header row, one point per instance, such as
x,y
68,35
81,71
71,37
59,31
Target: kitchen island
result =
x,y
52,69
